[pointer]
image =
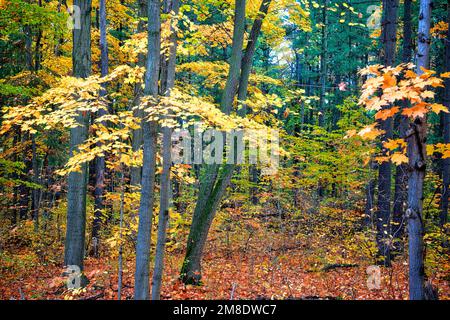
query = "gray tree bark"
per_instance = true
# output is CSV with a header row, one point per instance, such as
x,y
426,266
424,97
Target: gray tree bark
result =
x,y
446,133
217,178
167,84
417,161
141,286
389,40
100,164
76,195
401,173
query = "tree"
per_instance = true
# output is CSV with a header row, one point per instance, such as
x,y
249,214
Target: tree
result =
x,y
216,177
416,139
389,40
446,132
401,173
100,161
141,286
76,194
167,84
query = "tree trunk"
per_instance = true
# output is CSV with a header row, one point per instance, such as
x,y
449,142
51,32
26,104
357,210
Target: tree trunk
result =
x,y
76,194
100,164
141,287
167,83
401,173
389,39
417,162
36,192
446,133
211,190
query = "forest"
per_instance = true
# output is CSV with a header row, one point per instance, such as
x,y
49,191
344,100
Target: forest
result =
x,y
224,150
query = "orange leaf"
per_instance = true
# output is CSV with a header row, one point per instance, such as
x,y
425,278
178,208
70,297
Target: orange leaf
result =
x,y
389,81
386,113
419,110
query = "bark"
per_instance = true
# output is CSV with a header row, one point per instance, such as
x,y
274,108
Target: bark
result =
x,y
401,173
120,258
36,192
417,161
167,83
76,194
389,35
141,287
446,132
100,165
370,197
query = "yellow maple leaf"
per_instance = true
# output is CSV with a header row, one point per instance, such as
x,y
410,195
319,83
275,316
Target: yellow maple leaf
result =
x,y
437,108
399,158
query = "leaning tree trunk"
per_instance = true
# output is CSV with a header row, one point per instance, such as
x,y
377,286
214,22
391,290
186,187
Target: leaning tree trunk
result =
x,y
167,84
100,164
446,124
401,173
141,286
210,188
389,39
76,193
416,140
217,178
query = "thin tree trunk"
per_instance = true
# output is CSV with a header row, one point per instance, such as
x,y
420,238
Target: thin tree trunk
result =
x,y
389,39
76,194
167,83
141,287
417,162
35,193
446,133
217,177
120,258
100,165
401,173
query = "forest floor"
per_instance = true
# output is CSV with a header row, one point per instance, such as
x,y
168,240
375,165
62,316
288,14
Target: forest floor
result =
x,y
283,269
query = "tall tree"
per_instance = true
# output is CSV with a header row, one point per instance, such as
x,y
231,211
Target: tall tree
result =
x,y
389,40
401,173
141,285
167,83
416,139
100,161
446,125
77,181
216,177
